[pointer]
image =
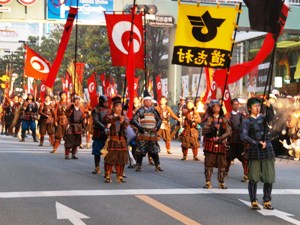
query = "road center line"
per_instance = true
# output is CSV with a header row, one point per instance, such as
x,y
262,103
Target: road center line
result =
x,y
167,210
179,191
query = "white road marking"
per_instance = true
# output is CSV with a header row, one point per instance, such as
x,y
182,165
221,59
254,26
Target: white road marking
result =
x,y
65,213
280,214
180,191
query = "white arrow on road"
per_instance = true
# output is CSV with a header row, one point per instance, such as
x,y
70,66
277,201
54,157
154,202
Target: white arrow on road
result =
x,y
280,214
65,213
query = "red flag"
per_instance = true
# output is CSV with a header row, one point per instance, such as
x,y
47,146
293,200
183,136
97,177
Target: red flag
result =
x,y
80,70
35,65
69,83
92,85
213,90
62,47
208,74
158,87
130,71
30,81
227,100
240,70
43,91
118,29
106,87
136,86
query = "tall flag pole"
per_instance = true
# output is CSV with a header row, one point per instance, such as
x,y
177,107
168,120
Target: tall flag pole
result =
x,y
62,47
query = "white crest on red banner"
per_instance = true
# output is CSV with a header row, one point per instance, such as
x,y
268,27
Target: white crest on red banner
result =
x,y
27,2
119,30
5,2
92,87
39,65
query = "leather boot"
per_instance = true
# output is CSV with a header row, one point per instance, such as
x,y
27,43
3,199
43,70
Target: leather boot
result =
x,y
34,136
42,140
23,134
208,172
97,164
252,188
267,196
74,151
221,177
139,160
108,170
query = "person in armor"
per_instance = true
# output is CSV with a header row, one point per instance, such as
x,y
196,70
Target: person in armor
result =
x,y
165,113
236,149
17,106
72,137
88,123
60,119
261,156
189,136
99,133
46,111
181,106
30,110
8,115
147,120
216,130
117,155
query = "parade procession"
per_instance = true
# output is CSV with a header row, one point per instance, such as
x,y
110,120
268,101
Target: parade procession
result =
x,y
201,107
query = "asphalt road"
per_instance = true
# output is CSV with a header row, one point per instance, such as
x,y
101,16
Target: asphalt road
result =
x,y
39,188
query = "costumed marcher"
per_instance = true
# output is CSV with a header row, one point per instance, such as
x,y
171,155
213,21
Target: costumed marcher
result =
x,y
30,110
99,131
216,130
165,113
261,156
17,121
60,119
178,127
8,115
117,155
88,123
46,111
236,149
189,135
75,129
147,120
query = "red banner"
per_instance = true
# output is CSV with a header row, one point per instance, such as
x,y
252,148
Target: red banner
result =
x,y
208,75
30,81
35,65
43,91
158,87
69,84
227,101
118,29
80,70
213,90
92,88
130,74
62,47
240,70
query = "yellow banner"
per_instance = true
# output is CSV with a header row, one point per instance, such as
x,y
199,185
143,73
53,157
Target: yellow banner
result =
x,y
204,35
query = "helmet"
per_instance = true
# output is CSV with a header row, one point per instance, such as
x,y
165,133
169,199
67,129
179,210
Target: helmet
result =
x,y
102,99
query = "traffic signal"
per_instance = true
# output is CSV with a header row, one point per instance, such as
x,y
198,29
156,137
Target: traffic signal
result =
x,y
147,9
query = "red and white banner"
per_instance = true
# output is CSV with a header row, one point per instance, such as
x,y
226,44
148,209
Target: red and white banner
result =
x,y
35,65
62,47
227,100
68,83
92,88
43,91
158,87
213,90
118,29
30,81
